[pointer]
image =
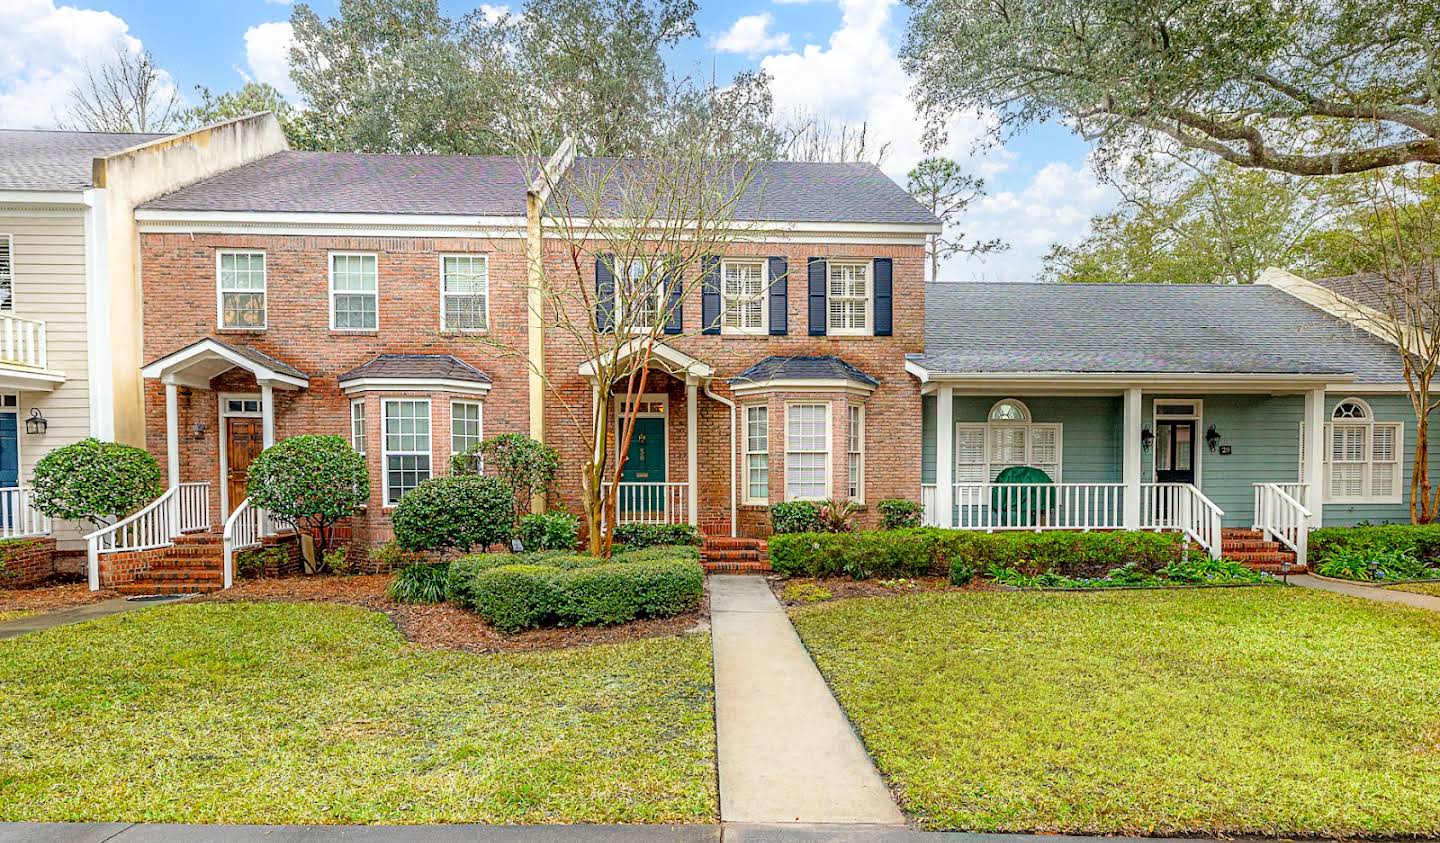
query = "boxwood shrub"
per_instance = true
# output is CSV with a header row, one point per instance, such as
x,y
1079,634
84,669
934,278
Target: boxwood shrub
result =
x,y
636,536
795,517
1421,541
961,554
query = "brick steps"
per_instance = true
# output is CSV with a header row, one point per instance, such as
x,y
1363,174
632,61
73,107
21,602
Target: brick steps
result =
x,y
1251,549
726,555
193,565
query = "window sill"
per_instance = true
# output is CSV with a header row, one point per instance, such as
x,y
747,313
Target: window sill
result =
x,y
1363,502
464,332
754,507
850,335
240,330
342,332
741,334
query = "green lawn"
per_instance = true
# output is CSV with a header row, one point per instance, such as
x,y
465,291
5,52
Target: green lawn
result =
x,y
1226,711
1430,588
309,713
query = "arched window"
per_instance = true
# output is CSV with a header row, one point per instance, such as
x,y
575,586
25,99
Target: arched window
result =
x,y
1009,410
1362,456
1008,437
1351,408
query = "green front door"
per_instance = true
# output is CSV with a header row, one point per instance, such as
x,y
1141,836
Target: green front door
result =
x,y
644,465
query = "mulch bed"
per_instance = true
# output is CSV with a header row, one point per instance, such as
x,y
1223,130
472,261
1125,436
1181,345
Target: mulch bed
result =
x,y
440,625
56,595
844,587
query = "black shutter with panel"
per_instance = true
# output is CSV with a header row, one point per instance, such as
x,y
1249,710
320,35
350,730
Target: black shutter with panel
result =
x,y
675,288
884,283
779,297
816,269
710,295
604,293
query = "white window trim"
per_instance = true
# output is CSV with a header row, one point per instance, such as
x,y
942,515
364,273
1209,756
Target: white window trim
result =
x,y
1024,409
220,290
856,450
364,421
479,418
869,329
1370,424
443,295
619,300
764,296
386,453
829,449
9,306
745,417
330,259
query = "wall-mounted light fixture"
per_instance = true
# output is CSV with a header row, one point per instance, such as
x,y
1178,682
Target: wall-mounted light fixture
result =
x,y
1147,438
36,423
1212,438
199,430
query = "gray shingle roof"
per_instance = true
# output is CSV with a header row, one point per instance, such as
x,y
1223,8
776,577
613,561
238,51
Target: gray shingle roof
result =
x,y
352,182
826,367
1373,290
44,160
1142,329
417,367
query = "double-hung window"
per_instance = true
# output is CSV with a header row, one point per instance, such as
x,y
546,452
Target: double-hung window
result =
x,y
354,292
757,454
848,298
464,293
807,452
357,426
743,285
640,295
856,452
407,446
1362,456
7,273
241,282
466,428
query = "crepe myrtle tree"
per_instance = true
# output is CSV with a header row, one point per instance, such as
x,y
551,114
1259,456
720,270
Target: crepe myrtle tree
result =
x,y
309,482
95,481
637,238
1309,87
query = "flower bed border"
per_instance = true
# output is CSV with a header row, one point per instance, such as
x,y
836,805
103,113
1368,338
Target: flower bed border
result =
x,y
1372,583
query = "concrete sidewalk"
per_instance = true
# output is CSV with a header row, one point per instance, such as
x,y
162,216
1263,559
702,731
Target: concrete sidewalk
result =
x,y
77,614
1368,592
787,753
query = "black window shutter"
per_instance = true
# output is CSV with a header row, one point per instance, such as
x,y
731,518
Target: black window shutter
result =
x,y
779,297
710,295
884,283
816,269
675,288
604,293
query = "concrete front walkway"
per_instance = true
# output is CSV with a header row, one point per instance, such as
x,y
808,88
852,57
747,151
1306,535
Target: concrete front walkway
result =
x,y
77,614
787,753
1369,592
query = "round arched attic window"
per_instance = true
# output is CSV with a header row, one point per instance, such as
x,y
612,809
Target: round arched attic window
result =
x,y
1351,409
1009,410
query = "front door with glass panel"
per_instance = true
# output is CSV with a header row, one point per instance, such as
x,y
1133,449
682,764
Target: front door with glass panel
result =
x,y
1175,452
643,475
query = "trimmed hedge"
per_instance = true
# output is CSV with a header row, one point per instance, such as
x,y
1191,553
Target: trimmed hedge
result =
x,y
795,517
960,553
518,597
659,551
636,536
1421,541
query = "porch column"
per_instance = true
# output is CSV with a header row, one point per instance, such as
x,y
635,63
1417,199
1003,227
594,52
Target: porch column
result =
x,y
944,455
267,414
1131,460
692,450
1314,469
172,434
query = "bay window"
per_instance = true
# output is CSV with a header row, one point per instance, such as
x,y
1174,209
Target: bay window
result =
x,y
406,446
807,452
757,454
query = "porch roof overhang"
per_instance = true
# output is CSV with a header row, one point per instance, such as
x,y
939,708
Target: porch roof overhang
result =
x,y
29,379
671,360
196,364
1116,382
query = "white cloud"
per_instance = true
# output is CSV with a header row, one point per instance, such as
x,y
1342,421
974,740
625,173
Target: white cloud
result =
x,y
267,53
751,36
44,54
493,12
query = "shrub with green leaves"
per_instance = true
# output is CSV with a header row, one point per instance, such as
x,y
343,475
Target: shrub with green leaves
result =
x,y
420,584
1373,565
899,513
95,481
795,517
526,466
518,597
1421,541
553,530
1200,569
635,536
309,482
659,551
461,512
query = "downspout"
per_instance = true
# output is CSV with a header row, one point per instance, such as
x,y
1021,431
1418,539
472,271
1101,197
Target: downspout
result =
x,y
731,404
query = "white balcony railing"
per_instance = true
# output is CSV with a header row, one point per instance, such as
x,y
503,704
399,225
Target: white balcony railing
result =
x,y
181,509
245,528
1181,506
22,342
651,503
18,517
1283,518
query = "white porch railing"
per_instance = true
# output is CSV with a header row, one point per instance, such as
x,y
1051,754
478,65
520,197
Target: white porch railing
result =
x,y
22,342
1181,506
651,503
245,528
1283,518
18,516
181,509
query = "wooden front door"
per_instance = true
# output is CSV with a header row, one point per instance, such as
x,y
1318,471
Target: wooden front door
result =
x,y
244,439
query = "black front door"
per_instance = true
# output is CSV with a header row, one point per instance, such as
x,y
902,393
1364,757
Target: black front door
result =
x,y
1175,452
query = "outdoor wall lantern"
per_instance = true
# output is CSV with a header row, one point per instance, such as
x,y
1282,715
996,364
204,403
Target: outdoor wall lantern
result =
x,y
36,423
1212,438
1147,438
199,429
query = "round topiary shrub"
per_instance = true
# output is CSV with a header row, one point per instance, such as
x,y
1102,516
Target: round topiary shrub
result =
x,y
309,482
454,512
95,481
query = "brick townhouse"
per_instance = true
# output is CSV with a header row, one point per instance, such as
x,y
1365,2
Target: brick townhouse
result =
x,y
360,295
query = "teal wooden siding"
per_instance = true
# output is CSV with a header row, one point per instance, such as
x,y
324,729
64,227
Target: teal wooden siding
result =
x,y
1090,447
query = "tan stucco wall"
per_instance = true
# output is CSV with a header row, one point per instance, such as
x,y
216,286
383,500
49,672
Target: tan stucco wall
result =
x,y
138,175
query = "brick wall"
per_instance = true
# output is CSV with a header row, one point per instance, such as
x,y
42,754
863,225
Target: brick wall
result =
x,y
26,562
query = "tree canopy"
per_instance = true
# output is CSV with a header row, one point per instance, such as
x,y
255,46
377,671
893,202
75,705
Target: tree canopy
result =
x,y
1309,87
252,98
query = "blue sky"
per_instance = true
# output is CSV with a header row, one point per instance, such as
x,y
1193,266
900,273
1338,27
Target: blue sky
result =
x,y
834,57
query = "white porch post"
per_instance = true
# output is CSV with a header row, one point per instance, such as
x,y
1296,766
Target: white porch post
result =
x,y
944,455
1314,470
172,433
1131,461
692,449
267,414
